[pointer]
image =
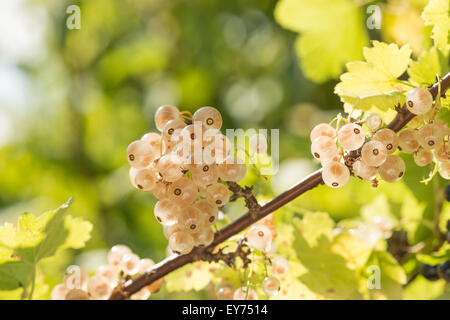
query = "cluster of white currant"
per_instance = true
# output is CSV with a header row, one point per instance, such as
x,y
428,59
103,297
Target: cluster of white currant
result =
x,y
122,266
258,237
185,167
225,290
374,150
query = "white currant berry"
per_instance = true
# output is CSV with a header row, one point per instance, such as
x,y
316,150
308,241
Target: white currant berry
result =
x,y
204,237
99,288
335,174
108,272
444,170
140,154
116,254
204,174
219,194
181,242
351,136
431,136
59,292
75,278
280,266
392,169
373,153
169,167
232,169
192,219
183,191
146,265
271,286
443,153
408,140
172,132
419,101
324,149
245,293
224,291
164,114
76,294
322,130
423,157
167,211
210,117
130,264
388,138
258,236
208,209
145,179
363,171
374,122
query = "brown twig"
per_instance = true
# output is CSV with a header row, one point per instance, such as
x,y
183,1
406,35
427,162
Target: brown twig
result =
x,y
174,262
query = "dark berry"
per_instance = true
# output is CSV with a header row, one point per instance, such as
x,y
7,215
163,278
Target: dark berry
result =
x,y
447,192
429,272
444,271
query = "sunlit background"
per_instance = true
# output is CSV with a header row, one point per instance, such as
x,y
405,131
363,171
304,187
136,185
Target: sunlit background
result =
x,y
72,100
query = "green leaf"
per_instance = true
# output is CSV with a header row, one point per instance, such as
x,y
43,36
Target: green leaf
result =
x,y
422,289
436,14
374,83
34,239
392,276
442,255
423,71
326,41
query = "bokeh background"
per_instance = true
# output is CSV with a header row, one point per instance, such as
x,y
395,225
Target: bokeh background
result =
x,y
72,100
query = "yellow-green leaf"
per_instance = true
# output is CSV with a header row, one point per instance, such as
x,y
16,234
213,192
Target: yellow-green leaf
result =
x,y
436,14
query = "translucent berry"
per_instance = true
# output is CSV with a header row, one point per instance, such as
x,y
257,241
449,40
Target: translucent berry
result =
x,y
392,169
140,154
258,236
280,266
116,253
245,293
388,138
431,136
146,265
208,209
59,292
219,194
271,286
192,219
363,171
210,117
204,237
142,294
444,170
183,191
145,179
130,264
172,132
169,167
423,157
108,272
351,136
335,174
224,291
419,101
75,278
408,140
181,242
374,122
232,169
322,130
443,153
204,174
99,288
166,212
373,153
324,149
164,114
77,294
161,190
